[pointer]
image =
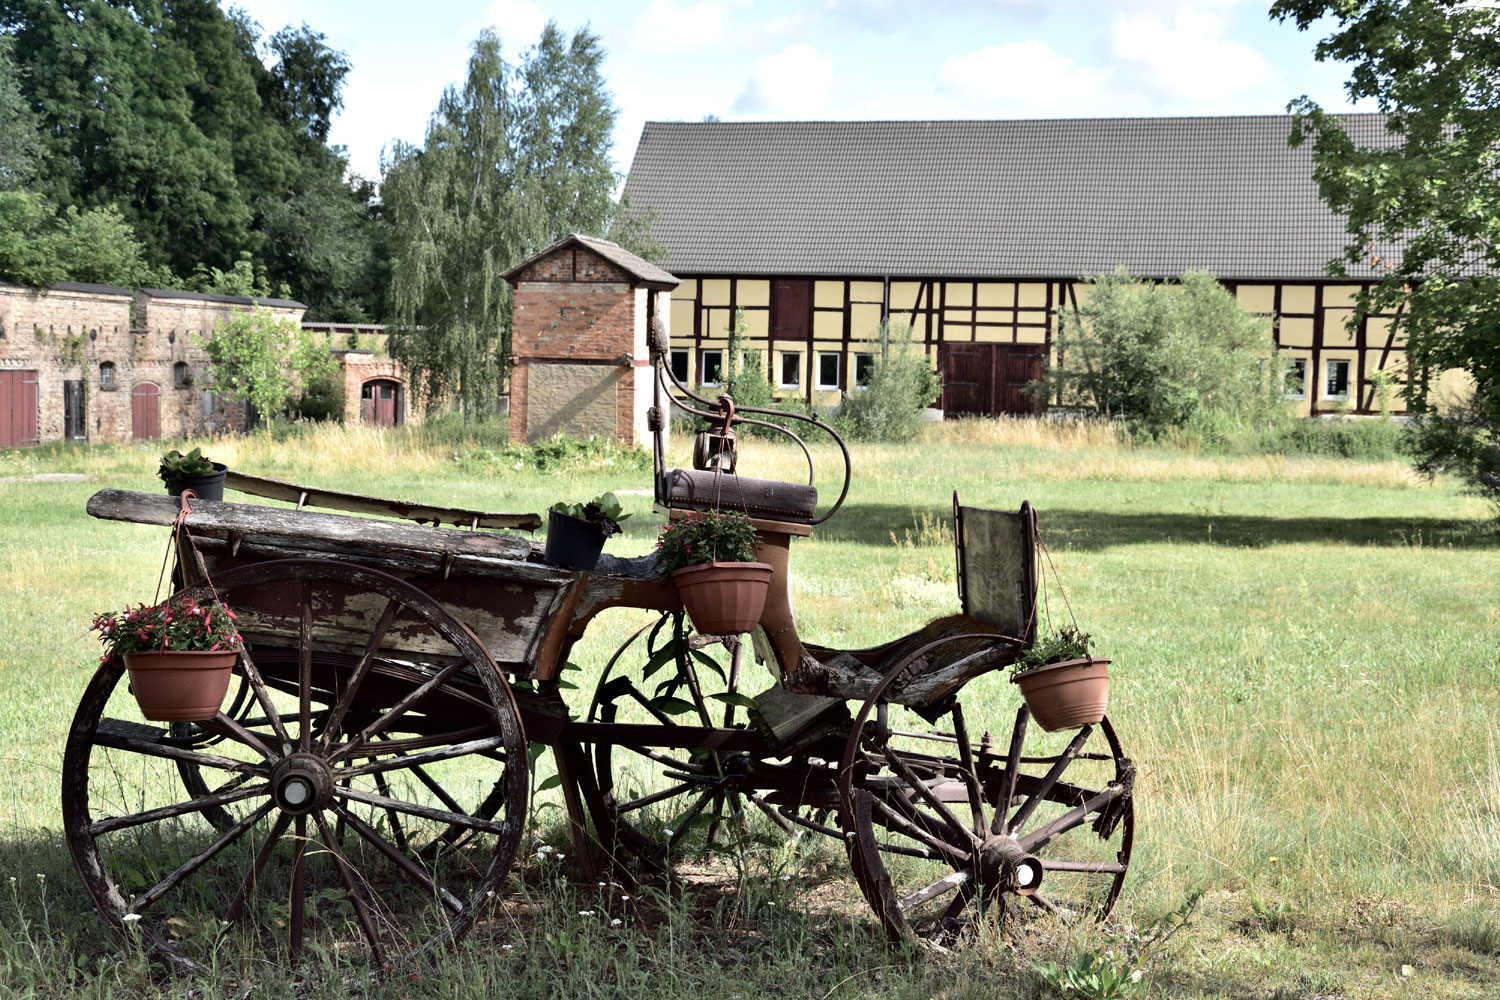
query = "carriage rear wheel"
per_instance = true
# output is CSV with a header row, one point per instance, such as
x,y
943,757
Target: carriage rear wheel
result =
x,y
953,827
366,805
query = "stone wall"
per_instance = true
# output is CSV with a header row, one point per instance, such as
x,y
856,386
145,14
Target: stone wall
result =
x,y
100,334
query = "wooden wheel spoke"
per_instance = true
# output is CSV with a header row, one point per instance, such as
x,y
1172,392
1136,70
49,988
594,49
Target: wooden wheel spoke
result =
x,y
1001,823
943,885
686,819
901,824
168,752
969,774
916,784
400,760
200,804
237,904
223,725
299,887
1076,816
1086,867
198,860
263,697
304,690
390,717
357,678
401,861
356,898
950,923
425,812
1053,773
655,797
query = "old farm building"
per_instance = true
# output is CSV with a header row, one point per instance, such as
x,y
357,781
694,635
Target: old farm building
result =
x,y
977,233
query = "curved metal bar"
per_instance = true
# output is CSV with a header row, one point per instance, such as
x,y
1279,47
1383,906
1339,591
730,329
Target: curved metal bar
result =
x,y
664,371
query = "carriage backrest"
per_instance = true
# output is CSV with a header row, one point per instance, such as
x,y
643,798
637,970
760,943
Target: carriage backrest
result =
x,y
997,566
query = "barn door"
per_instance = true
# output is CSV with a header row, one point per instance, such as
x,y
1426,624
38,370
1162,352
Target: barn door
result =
x,y
145,412
791,310
968,380
17,409
1019,366
75,424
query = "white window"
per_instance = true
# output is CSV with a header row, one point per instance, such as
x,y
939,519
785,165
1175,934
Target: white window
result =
x,y
713,368
791,370
681,368
1338,380
864,370
1296,379
830,369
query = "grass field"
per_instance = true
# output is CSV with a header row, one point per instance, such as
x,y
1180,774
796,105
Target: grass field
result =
x,y
1307,674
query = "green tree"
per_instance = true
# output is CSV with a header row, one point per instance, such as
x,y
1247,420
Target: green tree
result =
x,y
18,126
901,386
1165,355
513,160
263,359
1423,202
39,246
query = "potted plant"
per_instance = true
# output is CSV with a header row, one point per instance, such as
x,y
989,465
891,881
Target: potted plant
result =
x,y
576,531
1064,686
194,471
180,655
711,557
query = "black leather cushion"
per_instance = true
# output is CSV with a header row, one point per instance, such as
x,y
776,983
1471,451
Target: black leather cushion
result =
x,y
769,499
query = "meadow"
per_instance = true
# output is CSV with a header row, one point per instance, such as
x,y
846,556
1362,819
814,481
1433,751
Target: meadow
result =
x,y
1307,675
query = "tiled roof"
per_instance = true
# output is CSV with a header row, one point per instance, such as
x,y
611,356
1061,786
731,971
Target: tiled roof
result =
x,y
239,300
1004,199
645,272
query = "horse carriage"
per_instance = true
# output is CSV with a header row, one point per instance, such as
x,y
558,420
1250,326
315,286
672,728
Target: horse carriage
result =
x,y
364,790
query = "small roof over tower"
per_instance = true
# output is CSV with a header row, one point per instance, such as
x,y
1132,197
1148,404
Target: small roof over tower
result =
x,y
641,272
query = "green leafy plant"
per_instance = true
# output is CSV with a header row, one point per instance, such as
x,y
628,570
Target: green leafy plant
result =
x,y
901,385
178,624
1116,970
706,536
1066,643
175,465
604,510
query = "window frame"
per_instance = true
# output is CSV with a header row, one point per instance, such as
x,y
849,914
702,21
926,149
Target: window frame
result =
x,y
112,382
1297,363
182,375
818,382
686,375
703,355
783,357
1328,370
868,359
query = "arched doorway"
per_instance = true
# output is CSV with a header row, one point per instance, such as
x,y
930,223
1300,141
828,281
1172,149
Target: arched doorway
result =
x,y
380,403
145,411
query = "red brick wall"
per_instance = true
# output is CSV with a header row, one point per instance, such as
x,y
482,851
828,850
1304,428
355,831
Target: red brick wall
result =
x,y
361,368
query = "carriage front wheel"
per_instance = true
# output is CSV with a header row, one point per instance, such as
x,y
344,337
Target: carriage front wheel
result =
x,y
362,803
956,822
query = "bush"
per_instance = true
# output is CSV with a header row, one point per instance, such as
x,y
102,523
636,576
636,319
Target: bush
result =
x,y
321,399
1372,439
902,385
1164,356
1464,441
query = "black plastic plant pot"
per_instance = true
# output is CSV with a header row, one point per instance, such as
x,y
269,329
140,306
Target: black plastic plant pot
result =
x,y
208,487
572,543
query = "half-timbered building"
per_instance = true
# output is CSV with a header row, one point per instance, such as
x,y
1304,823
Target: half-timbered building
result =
x,y
978,235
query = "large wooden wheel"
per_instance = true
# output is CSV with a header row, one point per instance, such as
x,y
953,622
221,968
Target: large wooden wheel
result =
x,y
361,803
952,821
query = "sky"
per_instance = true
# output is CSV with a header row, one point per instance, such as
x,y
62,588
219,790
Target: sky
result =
x,y
682,60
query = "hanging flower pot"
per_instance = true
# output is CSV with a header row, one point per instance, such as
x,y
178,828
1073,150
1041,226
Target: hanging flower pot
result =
x,y
180,685
1066,694
723,598
180,654
711,557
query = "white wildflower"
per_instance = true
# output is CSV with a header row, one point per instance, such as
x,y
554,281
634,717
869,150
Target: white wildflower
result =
x,y
585,913
616,922
131,918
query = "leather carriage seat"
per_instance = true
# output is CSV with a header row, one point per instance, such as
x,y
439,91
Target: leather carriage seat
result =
x,y
767,499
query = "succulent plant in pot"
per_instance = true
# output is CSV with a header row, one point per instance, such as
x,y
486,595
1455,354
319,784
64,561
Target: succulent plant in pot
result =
x,y
194,471
711,558
1063,683
180,655
576,531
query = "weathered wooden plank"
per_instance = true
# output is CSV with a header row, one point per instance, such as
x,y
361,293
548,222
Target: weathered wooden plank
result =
x,y
361,503
335,530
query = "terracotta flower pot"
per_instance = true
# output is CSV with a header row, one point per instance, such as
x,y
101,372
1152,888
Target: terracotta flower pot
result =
x,y
1067,694
177,685
723,598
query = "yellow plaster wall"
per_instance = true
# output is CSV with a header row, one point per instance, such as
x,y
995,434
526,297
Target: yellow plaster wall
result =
x,y
1335,296
1297,299
758,324
906,296
752,292
828,294
958,293
864,321
716,323
1031,296
828,325
1296,333
1004,317
1257,298
1335,332
682,320
992,334
688,290
866,291
1378,328
715,292
997,294
1031,335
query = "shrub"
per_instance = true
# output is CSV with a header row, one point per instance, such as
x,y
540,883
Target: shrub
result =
x,y
321,399
1463,440
901,385
1165,356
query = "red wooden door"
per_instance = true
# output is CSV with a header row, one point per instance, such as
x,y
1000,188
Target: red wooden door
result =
x,y
1018,367
791,310
968,380
17,409
145,411
379,403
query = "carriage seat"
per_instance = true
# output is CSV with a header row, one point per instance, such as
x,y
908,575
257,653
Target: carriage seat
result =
x,y
768,499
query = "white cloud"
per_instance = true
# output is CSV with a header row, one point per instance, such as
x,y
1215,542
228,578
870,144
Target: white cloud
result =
x,y
793,83
1000,79
666,27
518,23
1189,58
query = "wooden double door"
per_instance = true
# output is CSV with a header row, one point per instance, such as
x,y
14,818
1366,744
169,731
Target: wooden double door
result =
x,y
17,409
987,380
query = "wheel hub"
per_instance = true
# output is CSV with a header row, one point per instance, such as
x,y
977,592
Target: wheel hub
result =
x,y
1004,865
301,783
